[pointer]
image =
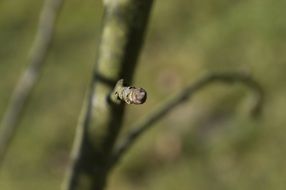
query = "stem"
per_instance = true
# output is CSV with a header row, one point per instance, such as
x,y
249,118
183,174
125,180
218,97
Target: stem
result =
x,y
122,36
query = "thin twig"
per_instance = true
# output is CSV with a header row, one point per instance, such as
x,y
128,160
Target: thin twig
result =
x,y
143,125
40,47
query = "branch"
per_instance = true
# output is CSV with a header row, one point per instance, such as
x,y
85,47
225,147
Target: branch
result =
x,y
40,47
122,36
143,125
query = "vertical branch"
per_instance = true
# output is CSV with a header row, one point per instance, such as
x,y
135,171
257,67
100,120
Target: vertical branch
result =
x,y
29,78
122,35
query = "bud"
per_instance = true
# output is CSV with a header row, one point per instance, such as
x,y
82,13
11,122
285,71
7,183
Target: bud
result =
x,y
130,94
134,95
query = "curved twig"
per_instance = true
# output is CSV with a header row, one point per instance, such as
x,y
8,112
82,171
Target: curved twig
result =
x,y
40,47
143,125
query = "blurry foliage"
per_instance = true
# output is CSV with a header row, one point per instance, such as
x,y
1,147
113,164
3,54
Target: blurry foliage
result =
x,y
208,143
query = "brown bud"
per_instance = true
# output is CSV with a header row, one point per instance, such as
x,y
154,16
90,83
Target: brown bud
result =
x,y
138,96
130,94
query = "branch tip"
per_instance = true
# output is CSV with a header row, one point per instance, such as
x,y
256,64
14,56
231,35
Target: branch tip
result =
x,y
128,94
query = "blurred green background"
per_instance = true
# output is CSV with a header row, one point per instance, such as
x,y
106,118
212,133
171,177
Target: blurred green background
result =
x,y
208,143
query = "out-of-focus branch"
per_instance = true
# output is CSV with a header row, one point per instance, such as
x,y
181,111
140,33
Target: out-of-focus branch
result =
x,y
49,14
143,125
